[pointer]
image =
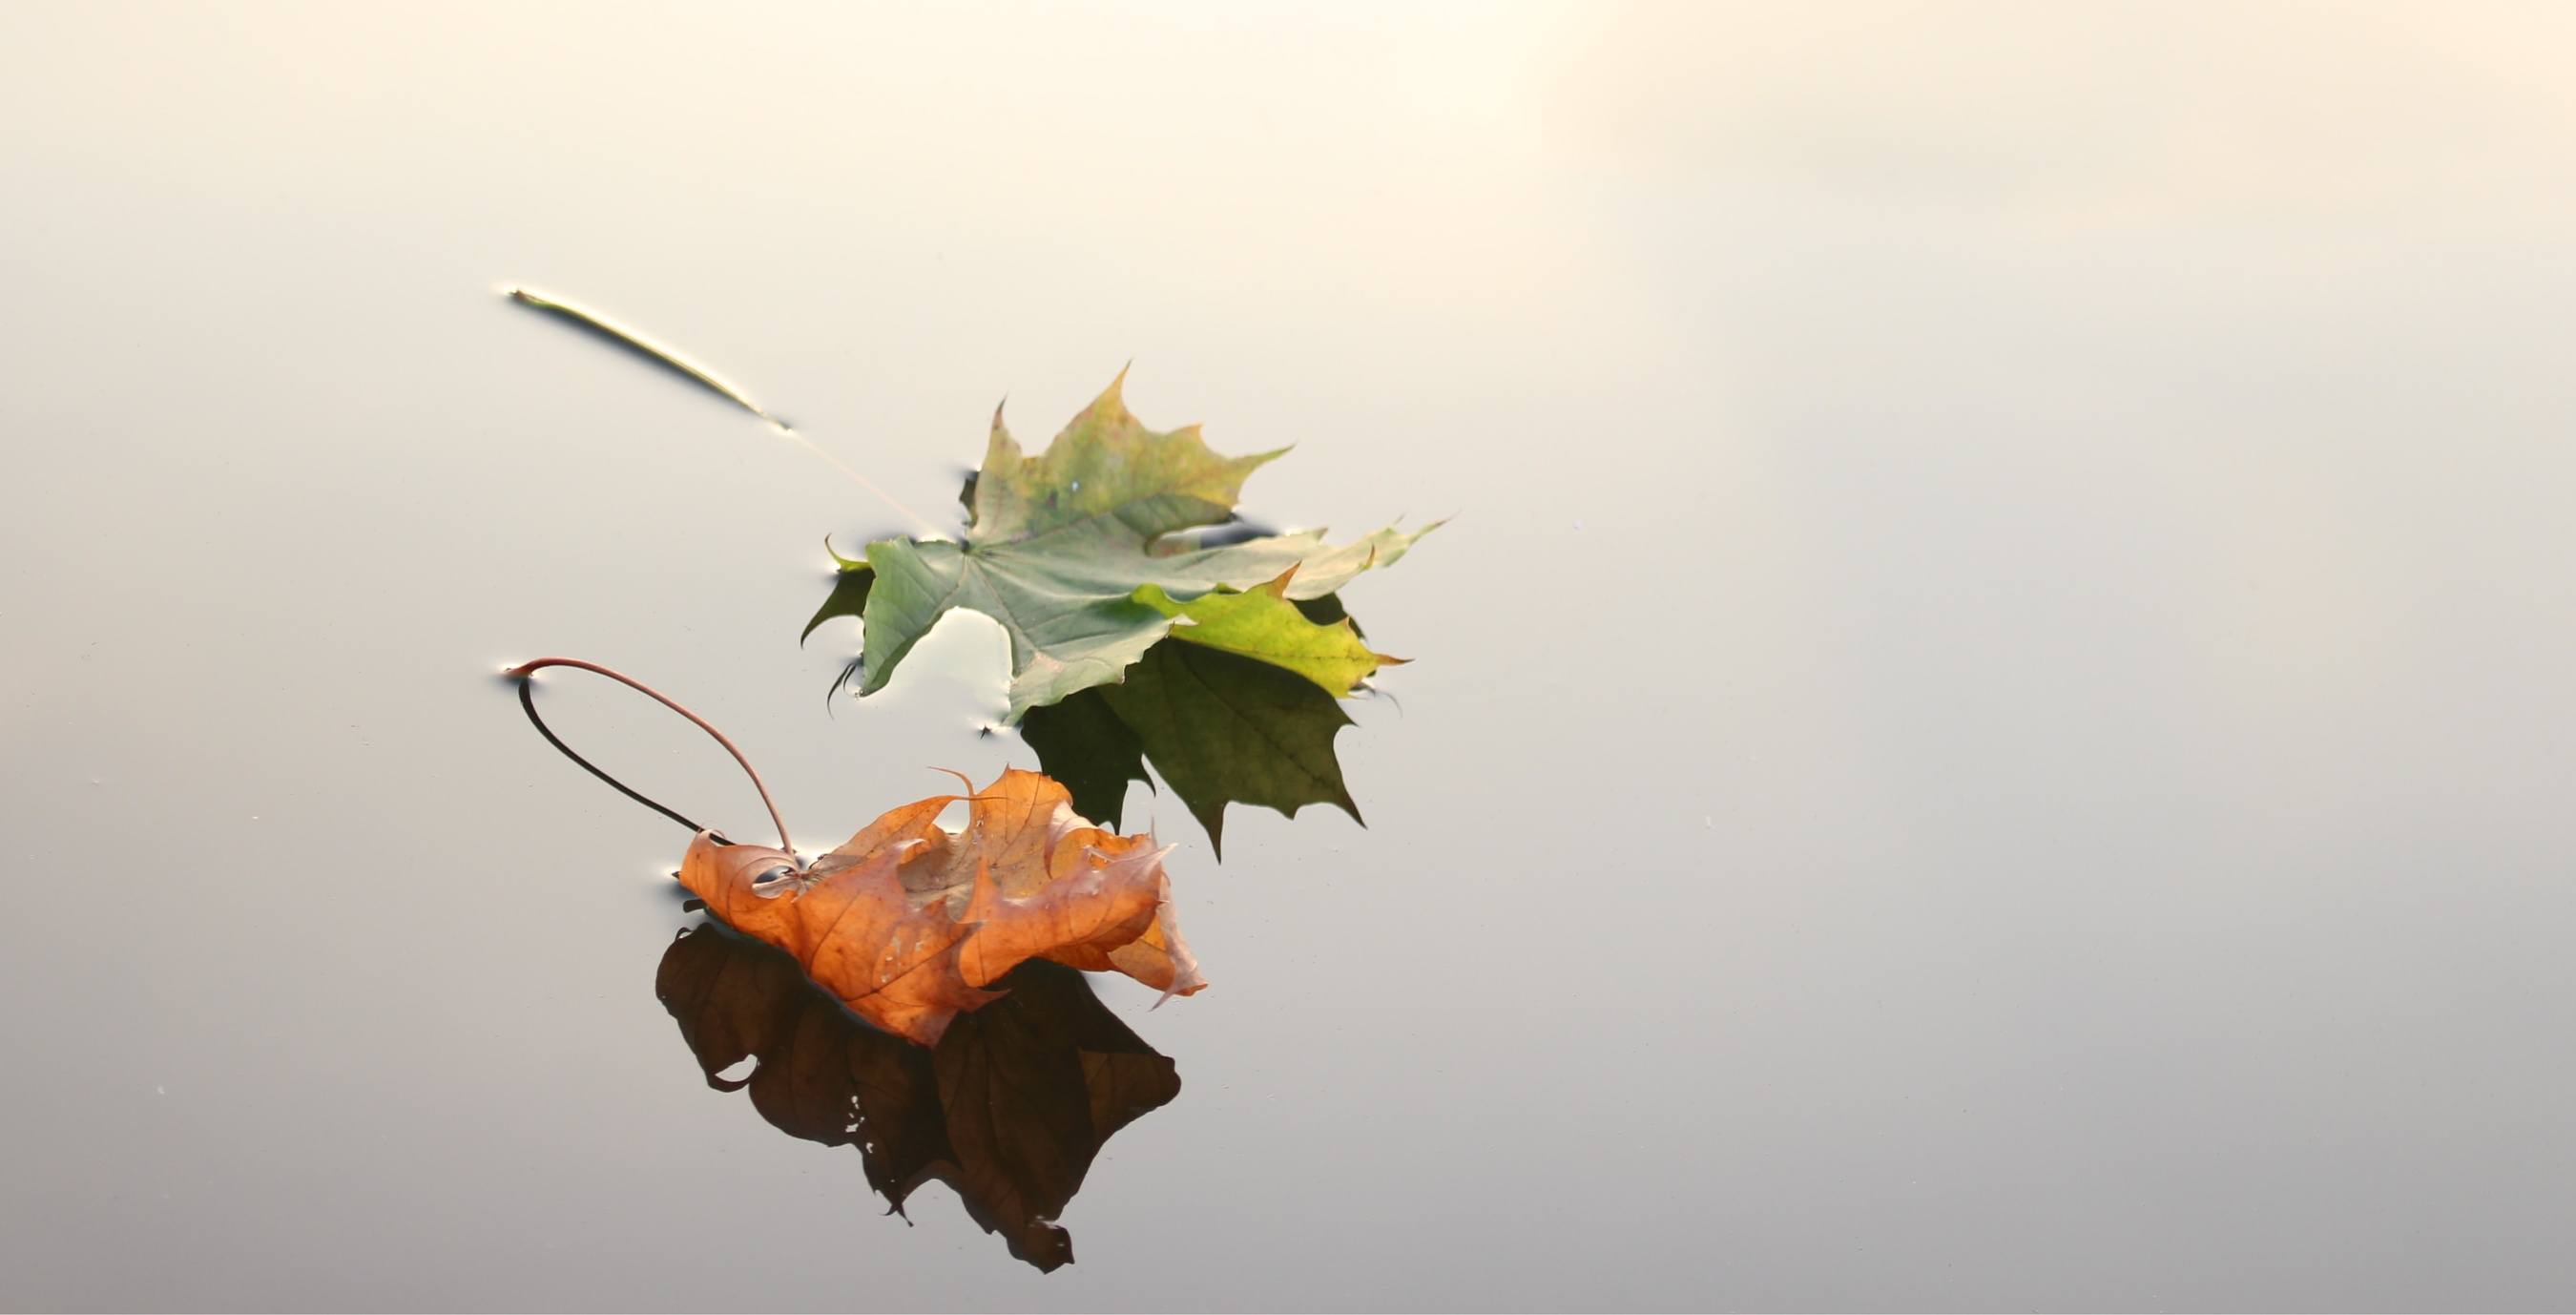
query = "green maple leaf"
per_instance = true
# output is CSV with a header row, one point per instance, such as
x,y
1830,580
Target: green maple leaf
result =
x,y
1082,743
1218,727
1261,623
1065,546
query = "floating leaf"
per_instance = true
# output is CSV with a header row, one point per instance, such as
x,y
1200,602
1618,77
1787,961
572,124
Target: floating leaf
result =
x,y
1010,1110
908,925
1218,727
1225,729
1083,744
1062,542
1260,623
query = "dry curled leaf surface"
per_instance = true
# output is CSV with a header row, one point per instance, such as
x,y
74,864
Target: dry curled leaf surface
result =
x,y
909,924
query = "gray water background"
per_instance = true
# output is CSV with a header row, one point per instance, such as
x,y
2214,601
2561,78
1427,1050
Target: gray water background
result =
x,y
1992,729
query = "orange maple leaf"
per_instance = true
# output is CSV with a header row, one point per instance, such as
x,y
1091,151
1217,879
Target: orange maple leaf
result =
x,y
907,924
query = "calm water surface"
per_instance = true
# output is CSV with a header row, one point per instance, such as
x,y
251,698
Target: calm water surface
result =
x,y
1992,729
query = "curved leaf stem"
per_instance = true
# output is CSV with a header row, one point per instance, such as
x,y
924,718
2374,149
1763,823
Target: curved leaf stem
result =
x,y
528,704
524,670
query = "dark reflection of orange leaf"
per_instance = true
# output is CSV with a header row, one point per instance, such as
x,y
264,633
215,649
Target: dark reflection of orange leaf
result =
x,y
907,924
1009,1110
